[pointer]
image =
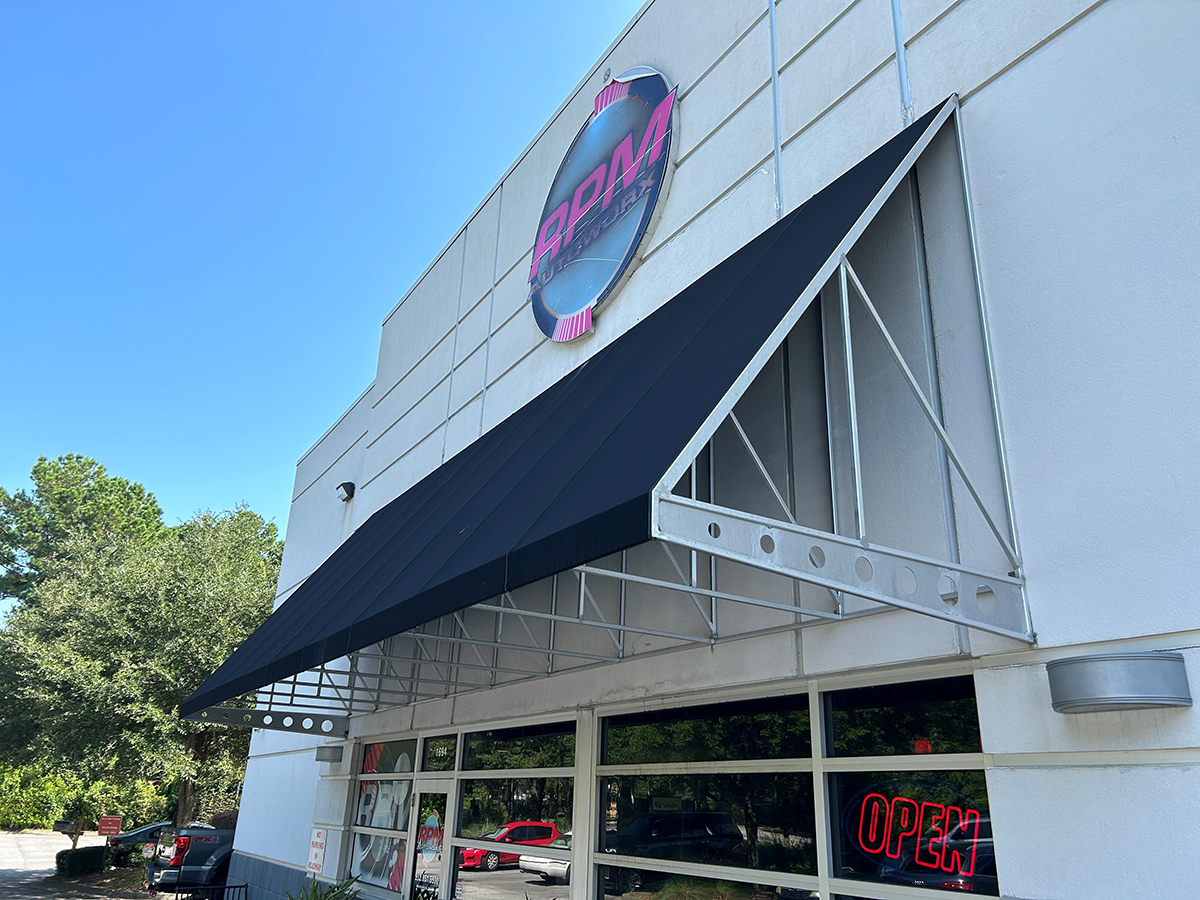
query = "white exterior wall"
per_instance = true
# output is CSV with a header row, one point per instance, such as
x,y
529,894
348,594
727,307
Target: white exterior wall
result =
x,y
1083,147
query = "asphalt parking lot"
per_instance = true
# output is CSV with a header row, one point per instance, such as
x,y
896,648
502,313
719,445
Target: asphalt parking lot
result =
x,y
26,858
508,883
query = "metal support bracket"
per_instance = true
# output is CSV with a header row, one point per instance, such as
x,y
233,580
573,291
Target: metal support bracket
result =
x,y
273,720
944,590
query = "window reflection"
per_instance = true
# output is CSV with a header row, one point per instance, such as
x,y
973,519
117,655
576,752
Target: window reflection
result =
x,y
929,830
756,821
508,883
918,717
774,728
531,747
616,881
516,810
427,852
439,753
391,756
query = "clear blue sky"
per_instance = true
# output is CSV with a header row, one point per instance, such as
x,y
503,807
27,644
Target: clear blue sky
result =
x,y
206,209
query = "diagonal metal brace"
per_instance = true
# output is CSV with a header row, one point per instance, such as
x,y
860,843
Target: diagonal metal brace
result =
x,y
944,590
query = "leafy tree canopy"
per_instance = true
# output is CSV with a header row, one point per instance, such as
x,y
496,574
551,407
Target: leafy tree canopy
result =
x,y
121,619
72,493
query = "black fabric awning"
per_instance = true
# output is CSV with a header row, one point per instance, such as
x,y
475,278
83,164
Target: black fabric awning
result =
x,y
566,479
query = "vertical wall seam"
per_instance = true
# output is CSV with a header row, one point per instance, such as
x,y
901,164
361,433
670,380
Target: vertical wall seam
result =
x,y
906,107
778,111
487,346
462,274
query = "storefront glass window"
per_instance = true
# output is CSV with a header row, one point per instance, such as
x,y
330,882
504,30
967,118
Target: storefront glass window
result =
x,y
531,747
383,804
922,829
381,814
619,881
427,854
439,753
919,717
750,820
775,728
391,756
516,810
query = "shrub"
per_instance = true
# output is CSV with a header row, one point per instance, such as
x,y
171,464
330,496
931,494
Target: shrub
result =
x,y
81,861
127,856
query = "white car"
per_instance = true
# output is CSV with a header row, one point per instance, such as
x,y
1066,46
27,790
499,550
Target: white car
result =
x,y
551,870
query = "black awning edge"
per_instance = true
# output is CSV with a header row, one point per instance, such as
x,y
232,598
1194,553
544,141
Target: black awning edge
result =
x,y
568,478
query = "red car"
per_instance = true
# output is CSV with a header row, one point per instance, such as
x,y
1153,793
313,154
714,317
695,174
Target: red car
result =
x,y
537,834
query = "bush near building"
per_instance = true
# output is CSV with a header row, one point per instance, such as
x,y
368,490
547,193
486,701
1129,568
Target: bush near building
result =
x,y
81,861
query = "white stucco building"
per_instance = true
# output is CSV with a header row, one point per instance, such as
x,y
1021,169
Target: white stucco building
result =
x,y
823,666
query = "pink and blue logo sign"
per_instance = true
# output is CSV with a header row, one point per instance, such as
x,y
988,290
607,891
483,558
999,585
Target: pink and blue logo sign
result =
x,y
602,202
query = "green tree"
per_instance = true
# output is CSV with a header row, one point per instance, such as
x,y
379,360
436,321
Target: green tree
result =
x,y
121,626
70,494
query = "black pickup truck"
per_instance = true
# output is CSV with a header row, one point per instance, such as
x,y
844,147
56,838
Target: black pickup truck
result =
x,y
196,856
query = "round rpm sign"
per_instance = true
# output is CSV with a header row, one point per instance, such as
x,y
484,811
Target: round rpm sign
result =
x,y
602,202
429,838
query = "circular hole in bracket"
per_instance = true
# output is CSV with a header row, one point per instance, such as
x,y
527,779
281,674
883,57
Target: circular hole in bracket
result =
x,y
767,543
287,721
268,719
306,724
985,599
247,718
863,569
948,590
204,715
327,726
714,530
816,556
906,580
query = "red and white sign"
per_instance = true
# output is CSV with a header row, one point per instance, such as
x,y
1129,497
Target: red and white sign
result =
x,y
316,851
110,825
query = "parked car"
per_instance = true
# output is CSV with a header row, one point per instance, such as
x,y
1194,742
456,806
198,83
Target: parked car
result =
x,y
195,856
551,870
692,836
147,834
536,833
700,836
976,842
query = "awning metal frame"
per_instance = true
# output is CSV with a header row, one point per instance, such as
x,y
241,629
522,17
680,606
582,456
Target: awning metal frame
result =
x,y
428,662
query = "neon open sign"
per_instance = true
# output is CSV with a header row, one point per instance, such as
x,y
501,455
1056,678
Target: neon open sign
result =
x,y
942,836
602,202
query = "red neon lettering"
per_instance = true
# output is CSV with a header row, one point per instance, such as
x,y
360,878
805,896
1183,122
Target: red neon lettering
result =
x,y
579,206
622,163
656,130
902,823
932,836
875,808
968,821
549,240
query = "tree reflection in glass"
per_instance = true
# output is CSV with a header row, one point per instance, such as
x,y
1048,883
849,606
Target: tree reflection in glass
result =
x,y
937,716
531,747
771,728
750,820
